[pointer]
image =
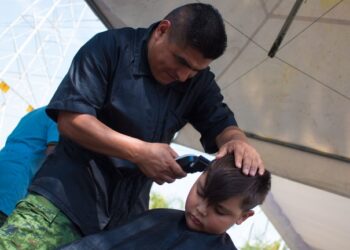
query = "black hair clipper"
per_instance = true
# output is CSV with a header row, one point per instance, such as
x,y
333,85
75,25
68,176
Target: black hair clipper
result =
x,y
192,163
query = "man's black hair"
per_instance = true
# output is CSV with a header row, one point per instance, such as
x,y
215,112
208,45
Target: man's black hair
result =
x,y
225,181
200,26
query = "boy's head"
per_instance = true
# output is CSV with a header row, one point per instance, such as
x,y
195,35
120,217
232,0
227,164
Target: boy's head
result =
x,y
223,196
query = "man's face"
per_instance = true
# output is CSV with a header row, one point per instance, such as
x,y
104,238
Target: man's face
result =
x,y
213,219
170,62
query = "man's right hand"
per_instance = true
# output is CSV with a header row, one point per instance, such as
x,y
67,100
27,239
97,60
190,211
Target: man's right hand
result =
x,y
157,161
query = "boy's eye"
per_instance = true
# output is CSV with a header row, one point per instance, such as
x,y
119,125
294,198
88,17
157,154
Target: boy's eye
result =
x,y
200,192
219,211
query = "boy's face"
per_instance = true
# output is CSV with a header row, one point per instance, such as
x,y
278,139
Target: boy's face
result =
x,y
213,219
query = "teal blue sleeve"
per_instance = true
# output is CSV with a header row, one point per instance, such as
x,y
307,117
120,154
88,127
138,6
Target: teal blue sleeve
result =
x,y
52,133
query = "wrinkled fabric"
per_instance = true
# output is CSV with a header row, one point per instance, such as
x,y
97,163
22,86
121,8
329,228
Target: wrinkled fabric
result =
x,y
161,229
36,224
3,218
119,194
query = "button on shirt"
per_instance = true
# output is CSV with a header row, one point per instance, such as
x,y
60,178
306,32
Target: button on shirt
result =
x,y
110,78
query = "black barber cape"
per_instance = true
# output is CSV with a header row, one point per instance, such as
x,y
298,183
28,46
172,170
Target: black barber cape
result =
x,y
156,229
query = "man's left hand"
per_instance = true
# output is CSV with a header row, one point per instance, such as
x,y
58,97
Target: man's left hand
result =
x,y
245,156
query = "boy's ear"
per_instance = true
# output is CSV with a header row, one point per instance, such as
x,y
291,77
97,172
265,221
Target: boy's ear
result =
x,y
245,216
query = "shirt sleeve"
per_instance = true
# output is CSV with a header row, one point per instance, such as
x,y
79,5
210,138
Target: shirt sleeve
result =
x,y
211,115
83,89
52,133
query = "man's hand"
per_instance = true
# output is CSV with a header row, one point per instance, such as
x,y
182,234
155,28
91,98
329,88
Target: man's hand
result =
x,y
233,141
157,161
245,155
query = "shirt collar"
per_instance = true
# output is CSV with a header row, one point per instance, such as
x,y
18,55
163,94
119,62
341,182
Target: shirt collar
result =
x,y
140,64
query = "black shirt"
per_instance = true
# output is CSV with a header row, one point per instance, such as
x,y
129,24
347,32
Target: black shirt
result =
x,y
162,229
110,78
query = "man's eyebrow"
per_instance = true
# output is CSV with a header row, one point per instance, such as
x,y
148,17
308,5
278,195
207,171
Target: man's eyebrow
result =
x,y
185,62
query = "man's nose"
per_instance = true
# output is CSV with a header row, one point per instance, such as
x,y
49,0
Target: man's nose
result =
x,y
183,74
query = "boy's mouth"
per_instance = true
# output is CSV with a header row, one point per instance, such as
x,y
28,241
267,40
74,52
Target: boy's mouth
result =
x,y
195,220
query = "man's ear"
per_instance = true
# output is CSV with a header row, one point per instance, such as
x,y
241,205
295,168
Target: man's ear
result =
x,y
245,216
163,27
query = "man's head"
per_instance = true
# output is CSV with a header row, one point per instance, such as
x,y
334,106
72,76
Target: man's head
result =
x,y
223,196
185,42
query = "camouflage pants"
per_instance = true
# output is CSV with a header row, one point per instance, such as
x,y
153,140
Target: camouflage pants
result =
x,y
3,218
36,224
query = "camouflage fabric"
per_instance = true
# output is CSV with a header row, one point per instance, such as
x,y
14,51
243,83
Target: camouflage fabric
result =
x,y
36,224
3,218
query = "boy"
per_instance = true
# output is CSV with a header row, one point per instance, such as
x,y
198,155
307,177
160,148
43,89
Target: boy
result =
x,y
221,197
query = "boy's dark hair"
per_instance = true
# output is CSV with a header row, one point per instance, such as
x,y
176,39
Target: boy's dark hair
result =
x,y
199,26
225,181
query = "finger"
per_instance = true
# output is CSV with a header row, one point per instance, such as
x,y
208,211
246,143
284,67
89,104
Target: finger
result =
x,y
161,179
177,171
238,157
168,179
221,153
173,153
247,163
261,167
159,182
253,168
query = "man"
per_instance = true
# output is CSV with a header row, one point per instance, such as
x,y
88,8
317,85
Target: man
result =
x,y
34,137
125,96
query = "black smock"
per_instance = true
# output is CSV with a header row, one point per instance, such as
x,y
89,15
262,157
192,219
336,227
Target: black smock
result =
x,y
161,229
110,79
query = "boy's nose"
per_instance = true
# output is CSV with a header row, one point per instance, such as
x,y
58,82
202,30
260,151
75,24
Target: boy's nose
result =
x,y
202,208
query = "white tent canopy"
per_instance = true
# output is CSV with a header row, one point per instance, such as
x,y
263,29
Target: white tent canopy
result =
x,y
294,106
